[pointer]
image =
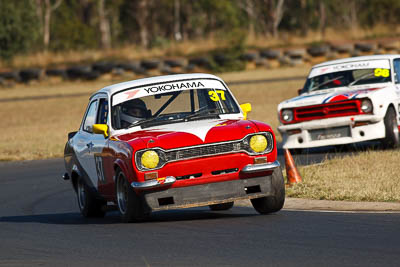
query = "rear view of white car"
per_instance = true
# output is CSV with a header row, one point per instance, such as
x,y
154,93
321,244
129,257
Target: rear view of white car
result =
x,y
345,101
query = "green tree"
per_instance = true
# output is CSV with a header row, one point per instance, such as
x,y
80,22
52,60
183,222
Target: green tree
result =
x,y
18,27
73,26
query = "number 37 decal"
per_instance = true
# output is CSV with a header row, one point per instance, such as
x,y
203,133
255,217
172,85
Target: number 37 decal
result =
x,y
217,95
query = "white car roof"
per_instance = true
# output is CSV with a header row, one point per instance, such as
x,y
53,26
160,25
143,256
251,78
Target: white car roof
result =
x,y
111,89
351,59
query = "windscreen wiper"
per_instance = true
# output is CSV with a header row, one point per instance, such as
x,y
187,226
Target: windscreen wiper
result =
x,y
326,82
139,122
367,75
202,112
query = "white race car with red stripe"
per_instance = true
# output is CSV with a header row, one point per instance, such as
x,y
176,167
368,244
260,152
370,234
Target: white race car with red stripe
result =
x,y
345,101
171,142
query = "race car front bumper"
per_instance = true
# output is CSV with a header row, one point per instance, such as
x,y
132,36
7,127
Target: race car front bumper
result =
x,y
332,131
213,193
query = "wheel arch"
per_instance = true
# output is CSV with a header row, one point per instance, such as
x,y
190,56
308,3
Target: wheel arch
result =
x,y
119,164
74,180
75,174
392,105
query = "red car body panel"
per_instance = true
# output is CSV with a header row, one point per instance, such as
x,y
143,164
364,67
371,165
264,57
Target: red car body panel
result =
x,y
121,154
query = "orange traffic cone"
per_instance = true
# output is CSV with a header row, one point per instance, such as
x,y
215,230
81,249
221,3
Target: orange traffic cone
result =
x,y
293,175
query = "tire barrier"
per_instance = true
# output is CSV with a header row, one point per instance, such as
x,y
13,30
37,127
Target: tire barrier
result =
x,y
270,54
150,64
342,48
264,58
28,75
103,67
200,62
365,47
318,51
56,73
174,63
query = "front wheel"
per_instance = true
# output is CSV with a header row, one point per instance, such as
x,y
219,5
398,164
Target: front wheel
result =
x,y
391,139
89,205
222,206
129,203
274,203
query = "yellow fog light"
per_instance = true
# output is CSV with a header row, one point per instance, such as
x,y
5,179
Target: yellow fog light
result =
x,y
258,143
150,159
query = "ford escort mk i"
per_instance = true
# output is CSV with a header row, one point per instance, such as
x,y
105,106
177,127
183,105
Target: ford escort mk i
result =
x,y
170,142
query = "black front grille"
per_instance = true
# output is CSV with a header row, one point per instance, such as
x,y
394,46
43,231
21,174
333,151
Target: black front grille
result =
x,y
202,151
329,110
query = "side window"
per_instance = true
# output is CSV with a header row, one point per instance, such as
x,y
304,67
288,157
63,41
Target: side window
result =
x,y
103,112
396,64
90,117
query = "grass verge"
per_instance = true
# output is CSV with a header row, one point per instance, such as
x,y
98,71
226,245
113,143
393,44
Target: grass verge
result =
x,y
368,176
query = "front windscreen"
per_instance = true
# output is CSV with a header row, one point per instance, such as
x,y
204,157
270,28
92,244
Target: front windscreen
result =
x,y
348,74
174,106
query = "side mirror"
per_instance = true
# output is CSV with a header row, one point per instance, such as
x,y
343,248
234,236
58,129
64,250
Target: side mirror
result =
x,y
246,108
101,129
299,91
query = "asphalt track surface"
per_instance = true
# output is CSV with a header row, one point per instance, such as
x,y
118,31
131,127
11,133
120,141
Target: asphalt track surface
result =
x,y
40,225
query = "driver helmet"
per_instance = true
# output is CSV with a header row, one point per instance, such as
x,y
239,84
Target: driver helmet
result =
x,y
133,110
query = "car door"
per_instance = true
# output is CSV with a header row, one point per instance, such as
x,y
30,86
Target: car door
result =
x,y
100,143
90,145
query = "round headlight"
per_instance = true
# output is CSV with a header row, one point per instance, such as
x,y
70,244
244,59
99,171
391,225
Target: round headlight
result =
x,y
150,159
366,106
258,143
287,115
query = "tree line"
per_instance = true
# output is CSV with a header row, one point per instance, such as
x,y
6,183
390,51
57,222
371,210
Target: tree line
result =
x,y
57,25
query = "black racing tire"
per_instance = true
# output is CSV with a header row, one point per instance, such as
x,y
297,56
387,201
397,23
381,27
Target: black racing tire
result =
x,y
221,59
78,72
88,204
56,72
11,75
130,205
103,67
174,63
343,48
274,203
30,74
150,64
249,56
200,61
270,54
391,139
222,206
318,51
365,47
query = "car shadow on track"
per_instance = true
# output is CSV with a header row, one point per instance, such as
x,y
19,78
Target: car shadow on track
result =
x,y
72,218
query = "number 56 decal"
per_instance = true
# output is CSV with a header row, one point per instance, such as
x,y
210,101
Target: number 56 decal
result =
x,y
381,72
217,95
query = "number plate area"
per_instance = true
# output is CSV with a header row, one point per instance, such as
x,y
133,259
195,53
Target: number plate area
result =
x,y
330,133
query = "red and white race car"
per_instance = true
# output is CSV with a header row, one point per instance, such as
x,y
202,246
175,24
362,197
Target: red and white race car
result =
x,y
345,101
169,142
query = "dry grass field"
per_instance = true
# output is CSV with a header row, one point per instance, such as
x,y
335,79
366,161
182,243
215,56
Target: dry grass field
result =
x,y
370,176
